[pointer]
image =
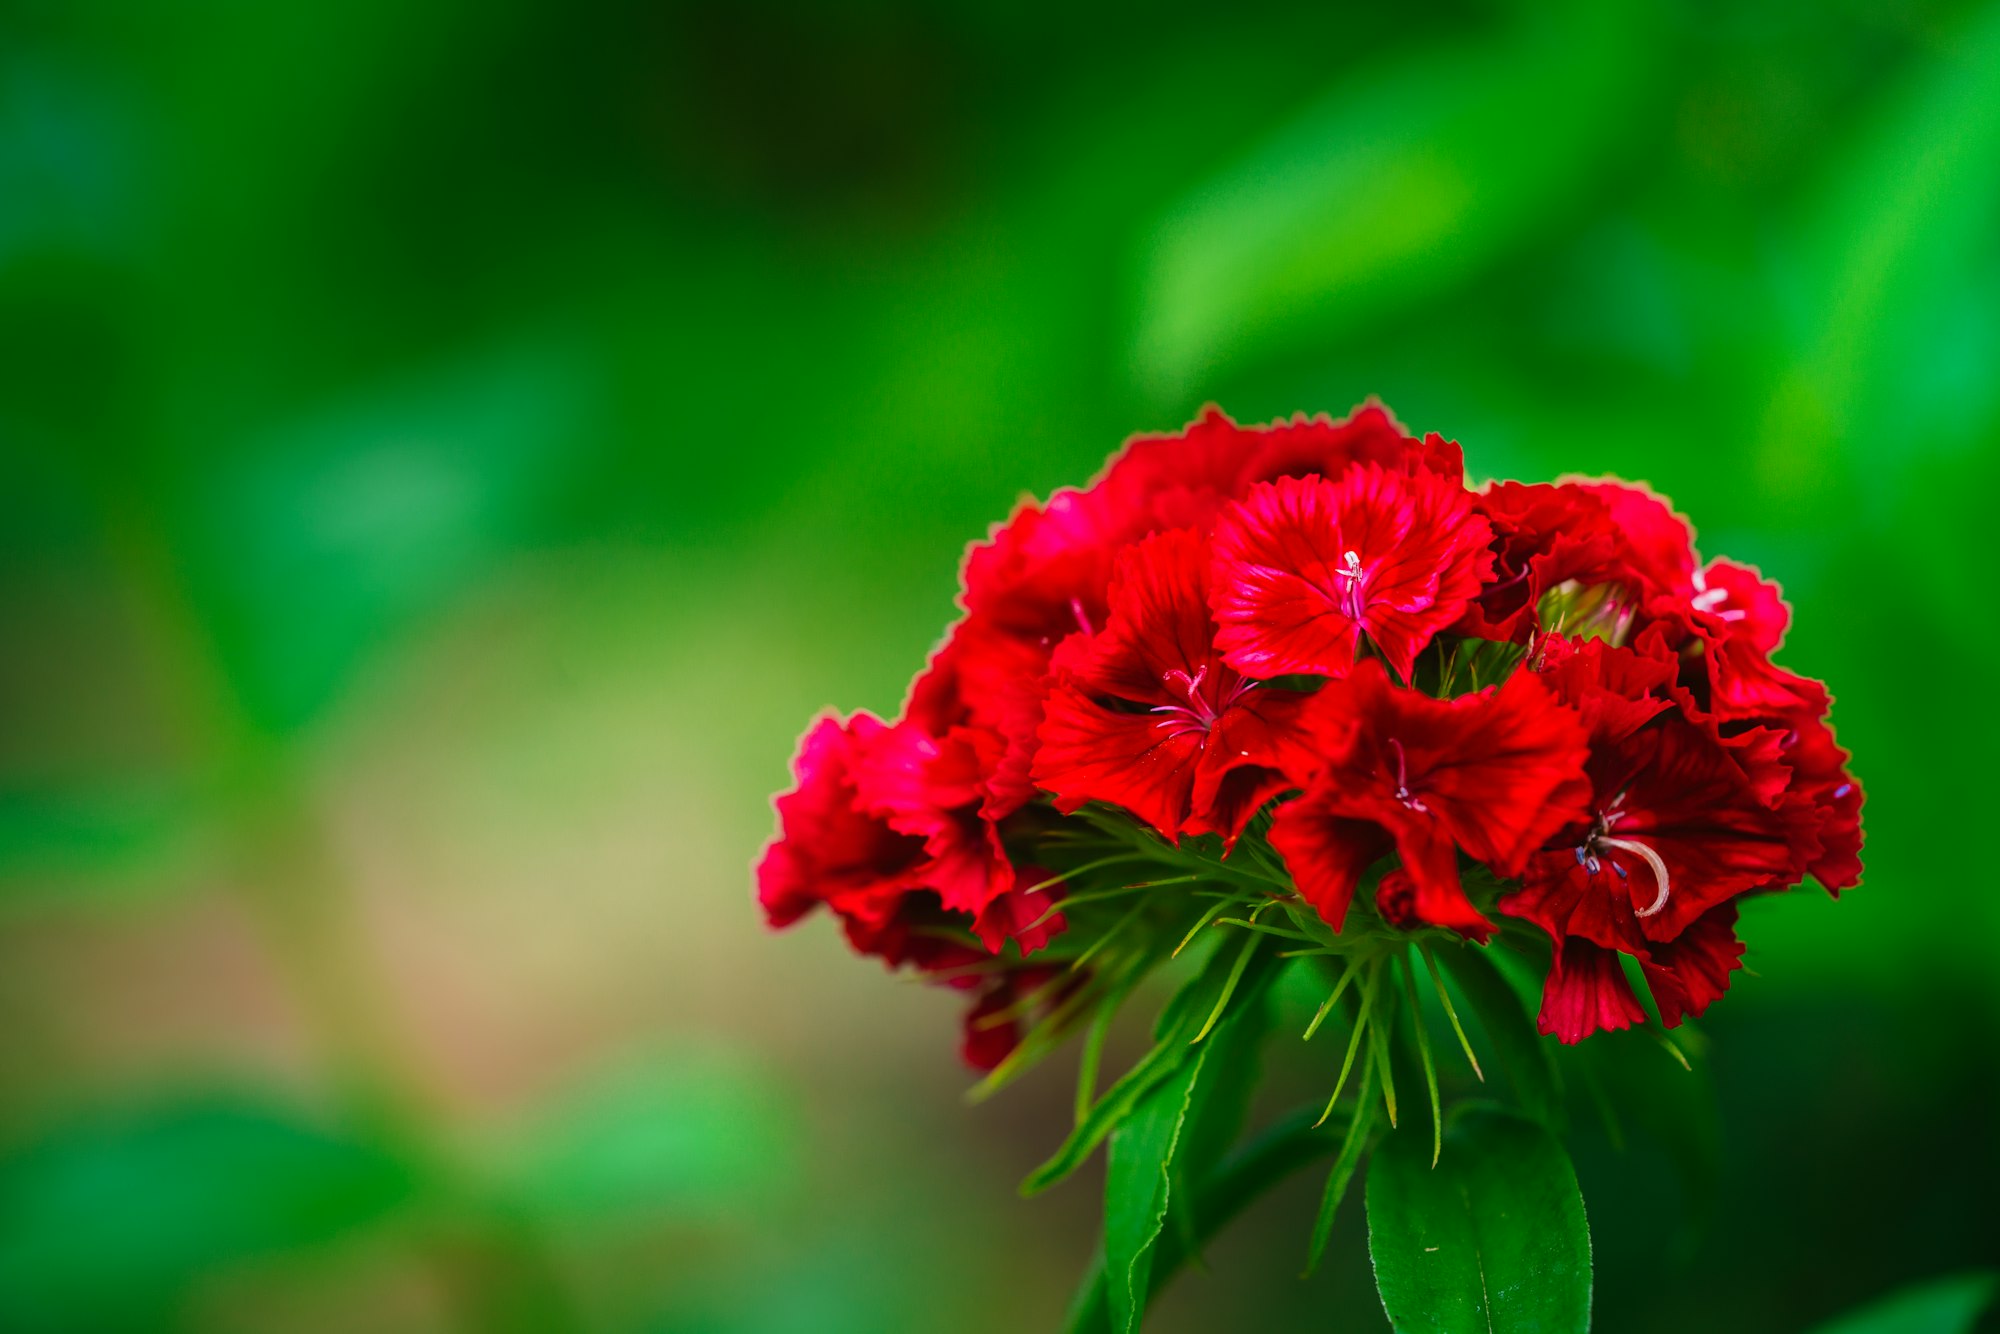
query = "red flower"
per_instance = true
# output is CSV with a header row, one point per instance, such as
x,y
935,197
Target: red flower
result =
x,y
1586,991
1045,573
1543,535
831,849
1494,773
935,789
1677,825
881,813
1772,720
1146,714
1305,567
1725,631
1655,556
1825,797
994,1024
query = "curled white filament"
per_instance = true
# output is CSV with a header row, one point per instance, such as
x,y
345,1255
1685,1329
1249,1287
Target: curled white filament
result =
x,y
1652,860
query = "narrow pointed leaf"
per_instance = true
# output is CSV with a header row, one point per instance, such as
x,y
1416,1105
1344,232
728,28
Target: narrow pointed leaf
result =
x,y
1351,1148
1522,1053
1185,1015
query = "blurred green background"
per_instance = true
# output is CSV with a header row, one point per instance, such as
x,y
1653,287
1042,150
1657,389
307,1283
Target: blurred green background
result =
x,y
448,450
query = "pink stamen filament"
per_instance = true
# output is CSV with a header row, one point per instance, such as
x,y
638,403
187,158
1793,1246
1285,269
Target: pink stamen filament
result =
x,y
1197,715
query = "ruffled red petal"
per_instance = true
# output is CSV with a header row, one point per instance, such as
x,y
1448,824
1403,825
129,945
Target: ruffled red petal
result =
x,y
1496,773
1655,555
830,848
1305,567
1149,717
1543,534
1688,973
1092,753
1586,993
1326,851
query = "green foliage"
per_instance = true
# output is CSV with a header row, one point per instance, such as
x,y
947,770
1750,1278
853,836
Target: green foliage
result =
x,y
1523,1055
1664,1094
1271,250
114,1217
1491,1239
1235,975
1940,1306
1139,1171
692,1136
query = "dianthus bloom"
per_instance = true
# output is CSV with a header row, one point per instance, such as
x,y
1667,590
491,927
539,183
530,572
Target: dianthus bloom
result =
x,y
1306,666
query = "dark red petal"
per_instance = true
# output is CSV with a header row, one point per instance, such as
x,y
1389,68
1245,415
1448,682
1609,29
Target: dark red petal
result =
x,y
1396,900
991,1030
1828,797
1432,862
1513,776
830,849
1305,446
1091,753
1655,555
1586,992
1692,970
1252,751
1021,915
1326,852
1158,631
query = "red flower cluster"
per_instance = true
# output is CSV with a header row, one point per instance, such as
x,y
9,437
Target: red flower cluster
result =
x,y
1293,620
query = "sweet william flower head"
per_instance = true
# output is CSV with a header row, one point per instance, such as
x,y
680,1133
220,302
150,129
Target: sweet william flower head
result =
x,y
1286,677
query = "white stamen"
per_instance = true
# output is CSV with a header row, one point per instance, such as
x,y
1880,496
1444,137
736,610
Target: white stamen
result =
x,y
1709,599
1652,860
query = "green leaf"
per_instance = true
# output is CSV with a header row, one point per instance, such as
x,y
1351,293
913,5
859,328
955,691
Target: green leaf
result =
x,y
1138,1187
1492,1240
1227,975
1352,1145
1294,1143
1523,1054
1223,1095
1949,1305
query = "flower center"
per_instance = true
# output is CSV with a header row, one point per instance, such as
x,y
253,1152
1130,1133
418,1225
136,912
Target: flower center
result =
x,y
1353,582
1594,852
1403,793
1199,713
